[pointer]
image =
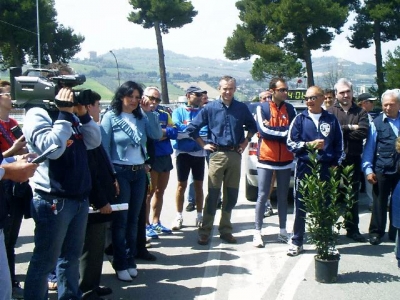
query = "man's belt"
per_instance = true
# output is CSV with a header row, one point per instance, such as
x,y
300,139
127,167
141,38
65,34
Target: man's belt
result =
x,y
131,167
226,148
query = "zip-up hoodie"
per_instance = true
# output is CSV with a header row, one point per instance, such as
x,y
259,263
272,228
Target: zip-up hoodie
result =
x,y
303,130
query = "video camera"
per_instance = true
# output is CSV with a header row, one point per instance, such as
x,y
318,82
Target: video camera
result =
x,y
82,97
38,87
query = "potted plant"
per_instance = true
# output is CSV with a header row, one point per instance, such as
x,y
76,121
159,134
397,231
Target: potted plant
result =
x,y
325,202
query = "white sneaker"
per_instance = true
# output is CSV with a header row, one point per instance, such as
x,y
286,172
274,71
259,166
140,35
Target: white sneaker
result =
x,y
132,272
333,251
294,250
177,224
199,221
124,275
257,240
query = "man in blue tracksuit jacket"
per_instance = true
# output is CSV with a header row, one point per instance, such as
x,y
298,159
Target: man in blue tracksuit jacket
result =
x,y
321,129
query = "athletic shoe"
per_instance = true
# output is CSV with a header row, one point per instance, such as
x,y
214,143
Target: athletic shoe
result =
x,y
268,212
333,251
190,207
124,275
294,250
150,233
177,225
257,240
199,222
284,238
17,291
159,228
132,272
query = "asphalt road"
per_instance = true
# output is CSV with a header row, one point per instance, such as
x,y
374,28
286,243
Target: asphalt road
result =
x,y
186,270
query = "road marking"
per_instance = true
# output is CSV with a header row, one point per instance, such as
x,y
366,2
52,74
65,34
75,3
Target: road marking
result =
x,y
295,277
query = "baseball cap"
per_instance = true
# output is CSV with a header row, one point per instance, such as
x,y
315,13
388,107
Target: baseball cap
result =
x,y
194,89
365,96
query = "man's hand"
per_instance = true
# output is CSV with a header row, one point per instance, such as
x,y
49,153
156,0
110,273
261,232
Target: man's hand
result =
x,y
317,144
243,146
146,105
371,177
106,209
20,170
209,147
66,95
18,148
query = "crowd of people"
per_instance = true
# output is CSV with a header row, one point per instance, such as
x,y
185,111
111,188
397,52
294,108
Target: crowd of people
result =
x,y
126,158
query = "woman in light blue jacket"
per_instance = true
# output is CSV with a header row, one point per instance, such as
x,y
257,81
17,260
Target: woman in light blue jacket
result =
x,y
125,129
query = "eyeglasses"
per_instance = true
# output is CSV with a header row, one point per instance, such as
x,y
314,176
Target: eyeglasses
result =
x,y
152,98
5,94
312,98
282,90
197,94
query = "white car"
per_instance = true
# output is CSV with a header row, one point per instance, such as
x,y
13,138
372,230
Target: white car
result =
x,y
250,157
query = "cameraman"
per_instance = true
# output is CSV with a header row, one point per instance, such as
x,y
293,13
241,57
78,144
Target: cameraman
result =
x,y
61,187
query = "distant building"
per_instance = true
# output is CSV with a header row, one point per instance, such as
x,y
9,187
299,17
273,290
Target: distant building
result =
x,y
92,54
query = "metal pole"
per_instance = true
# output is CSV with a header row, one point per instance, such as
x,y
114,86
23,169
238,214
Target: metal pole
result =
x,y
116,61
38,34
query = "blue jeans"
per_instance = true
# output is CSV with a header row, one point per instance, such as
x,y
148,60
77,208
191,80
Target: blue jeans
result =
x,y
132,185
299,226
58,242
5,279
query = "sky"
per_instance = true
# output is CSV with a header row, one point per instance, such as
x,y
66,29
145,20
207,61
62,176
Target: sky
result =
x,y
105,27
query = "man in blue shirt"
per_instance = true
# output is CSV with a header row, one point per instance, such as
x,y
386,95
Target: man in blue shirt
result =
x,y
225,118
379,163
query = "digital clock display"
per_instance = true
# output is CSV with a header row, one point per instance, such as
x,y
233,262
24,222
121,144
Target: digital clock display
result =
x,y
296,94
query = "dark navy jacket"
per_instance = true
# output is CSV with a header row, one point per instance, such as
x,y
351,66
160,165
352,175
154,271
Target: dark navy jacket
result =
x,y
303,130
103,187
385,160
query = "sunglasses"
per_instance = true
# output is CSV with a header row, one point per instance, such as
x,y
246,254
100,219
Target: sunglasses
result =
x,y
281,90
312,98
152,98
197,94
5,94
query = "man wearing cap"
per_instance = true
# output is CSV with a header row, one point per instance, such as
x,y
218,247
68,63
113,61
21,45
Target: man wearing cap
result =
x,y
379,163
189,155
366,102
354,124
191,197
225,118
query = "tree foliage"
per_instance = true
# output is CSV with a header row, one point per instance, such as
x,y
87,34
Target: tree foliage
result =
x,y
321,201
392,69
18,34
276,30
376,22
162,15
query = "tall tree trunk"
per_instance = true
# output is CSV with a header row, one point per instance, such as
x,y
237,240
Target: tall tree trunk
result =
x,y
16,56
161,62
378,59
308,61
